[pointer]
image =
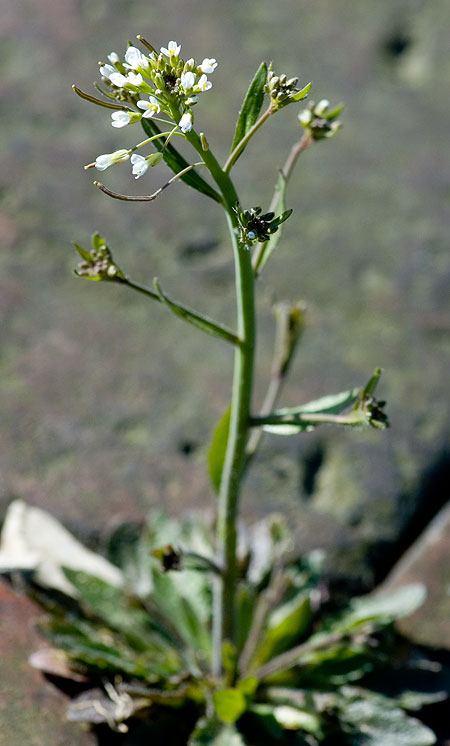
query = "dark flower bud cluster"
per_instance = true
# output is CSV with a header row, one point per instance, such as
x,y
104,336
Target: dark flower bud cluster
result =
x,y
283,90
169,557
319,120
98,263
374,412
256,226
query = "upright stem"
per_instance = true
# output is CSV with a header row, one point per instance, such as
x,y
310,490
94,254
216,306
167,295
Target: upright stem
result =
x,y
227,511
224,601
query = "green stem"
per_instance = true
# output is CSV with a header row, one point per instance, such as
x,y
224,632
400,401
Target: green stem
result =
x,y
240,147
228,501
286,172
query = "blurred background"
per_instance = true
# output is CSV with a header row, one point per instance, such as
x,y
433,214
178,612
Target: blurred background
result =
x,y
107,402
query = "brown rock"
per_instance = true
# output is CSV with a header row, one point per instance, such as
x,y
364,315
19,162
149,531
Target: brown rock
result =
x,y
428,561
32,711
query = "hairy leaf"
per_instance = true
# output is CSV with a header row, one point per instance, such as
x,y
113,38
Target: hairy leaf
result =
x,y
285,626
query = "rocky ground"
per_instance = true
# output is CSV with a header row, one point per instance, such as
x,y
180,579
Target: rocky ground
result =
x,y
107,403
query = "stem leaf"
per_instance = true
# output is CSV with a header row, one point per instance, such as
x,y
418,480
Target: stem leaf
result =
x,y
195,318
251,105
218,448
177,163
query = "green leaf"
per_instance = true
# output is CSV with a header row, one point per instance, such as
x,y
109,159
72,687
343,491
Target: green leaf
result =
x,y
97,241
300,95
209,732
84,253
218,448
195,318
294,718
382,608
251,105
110,604
330,404
177,163
285,626
375,721
333,404
229,705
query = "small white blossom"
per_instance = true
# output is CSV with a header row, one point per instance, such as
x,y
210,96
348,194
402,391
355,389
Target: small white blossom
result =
x,y
208,65
107,71
150,107
173,49
203,84
135,59
187,81
321,107
139,165
113,58
185,123
121,81
305,117
120,118
102,162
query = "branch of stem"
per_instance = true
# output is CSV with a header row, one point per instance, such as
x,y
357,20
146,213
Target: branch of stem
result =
x,y
240,147
286,172
146,197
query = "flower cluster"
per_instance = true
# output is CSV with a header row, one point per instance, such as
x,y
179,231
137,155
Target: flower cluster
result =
x,y
374,413
98,263
256,226
283,90
146,86
156,83
319,120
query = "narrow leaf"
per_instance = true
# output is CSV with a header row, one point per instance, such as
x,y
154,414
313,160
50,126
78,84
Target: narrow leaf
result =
x,y
300,95
195,318
84,253
218,449
285,627
177,163
251,105
330,404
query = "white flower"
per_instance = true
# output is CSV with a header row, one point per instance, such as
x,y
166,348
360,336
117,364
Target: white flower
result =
x,y
208,65
305,117
135,79
107,71
150,107
187,81
173,49
135,59
102,162
120,118
321,107
203,84
139,165
121,81
113,58
185,123
117,79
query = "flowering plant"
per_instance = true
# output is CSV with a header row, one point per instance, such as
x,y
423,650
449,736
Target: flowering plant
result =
x,y
239,635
